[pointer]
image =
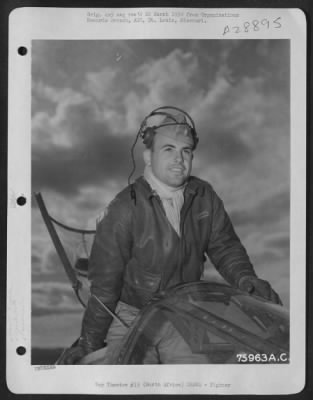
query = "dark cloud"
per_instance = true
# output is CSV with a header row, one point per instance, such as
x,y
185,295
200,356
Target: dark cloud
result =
x,y
242,59
52,60
266,58
221,146
269,211
90,203
280,243
267,258
95,156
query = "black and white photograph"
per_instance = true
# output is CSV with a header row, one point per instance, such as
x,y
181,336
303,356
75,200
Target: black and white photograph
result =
x,y
165,205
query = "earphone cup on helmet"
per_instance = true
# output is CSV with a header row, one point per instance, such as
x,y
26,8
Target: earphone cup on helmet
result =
x,y
194,136
148,135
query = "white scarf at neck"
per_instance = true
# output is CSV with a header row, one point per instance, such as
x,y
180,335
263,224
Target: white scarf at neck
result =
x,y
172,197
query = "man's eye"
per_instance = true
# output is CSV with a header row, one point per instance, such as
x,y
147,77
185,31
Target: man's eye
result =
x,y
187,151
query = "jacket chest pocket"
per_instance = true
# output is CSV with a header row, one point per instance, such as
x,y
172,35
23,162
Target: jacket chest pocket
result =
x,y
203,215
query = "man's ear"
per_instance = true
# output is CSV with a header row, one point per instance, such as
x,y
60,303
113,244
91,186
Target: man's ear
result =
x,y
147,156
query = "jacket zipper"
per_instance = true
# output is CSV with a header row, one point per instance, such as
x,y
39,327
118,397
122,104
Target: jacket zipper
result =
x,y
185,210
182,235
156,196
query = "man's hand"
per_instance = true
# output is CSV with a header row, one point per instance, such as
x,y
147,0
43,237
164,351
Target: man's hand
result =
x,y
72,355
259,287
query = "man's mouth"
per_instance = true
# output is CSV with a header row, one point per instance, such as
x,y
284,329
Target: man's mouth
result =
x,y
177,169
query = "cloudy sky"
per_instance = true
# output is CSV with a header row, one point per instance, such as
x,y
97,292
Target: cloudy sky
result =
x,y
88,100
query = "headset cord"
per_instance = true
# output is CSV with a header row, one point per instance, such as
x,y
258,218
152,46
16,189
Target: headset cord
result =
x,y
132,153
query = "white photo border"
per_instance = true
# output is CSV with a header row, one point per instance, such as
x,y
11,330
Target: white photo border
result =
x,y
27,24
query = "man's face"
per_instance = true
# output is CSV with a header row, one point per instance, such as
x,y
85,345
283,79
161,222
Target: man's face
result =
x,y
171,158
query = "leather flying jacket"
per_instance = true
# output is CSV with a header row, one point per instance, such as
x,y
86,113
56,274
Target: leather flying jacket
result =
x,y
136,251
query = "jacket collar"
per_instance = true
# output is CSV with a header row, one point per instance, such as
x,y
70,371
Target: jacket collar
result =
x,y
190,189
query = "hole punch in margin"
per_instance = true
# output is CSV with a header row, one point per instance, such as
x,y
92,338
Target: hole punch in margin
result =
x,y
21,200
21,350
22,50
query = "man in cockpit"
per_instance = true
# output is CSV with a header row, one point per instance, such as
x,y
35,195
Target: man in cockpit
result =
x,y
157,233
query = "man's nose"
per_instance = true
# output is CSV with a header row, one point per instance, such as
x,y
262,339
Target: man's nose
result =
x,y
179,156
